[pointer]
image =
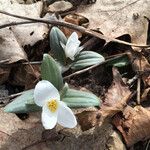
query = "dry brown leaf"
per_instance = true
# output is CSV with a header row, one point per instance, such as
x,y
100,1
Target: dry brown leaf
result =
x,y
74,19
118,17
12,40
4,74
59,6
142,64
146,95
115,142
117,96
133,124
25,76
88,119
16,134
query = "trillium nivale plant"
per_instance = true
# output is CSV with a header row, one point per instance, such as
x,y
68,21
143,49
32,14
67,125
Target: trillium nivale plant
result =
x,y
53,110
72,48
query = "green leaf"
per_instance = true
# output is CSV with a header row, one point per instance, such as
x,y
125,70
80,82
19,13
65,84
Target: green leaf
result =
x,y
86,59
23,104
119,62
75,98
57,36
50,71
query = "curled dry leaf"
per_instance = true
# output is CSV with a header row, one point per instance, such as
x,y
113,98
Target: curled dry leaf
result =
x,y
117,96
14,38
133,124
116,18
74,19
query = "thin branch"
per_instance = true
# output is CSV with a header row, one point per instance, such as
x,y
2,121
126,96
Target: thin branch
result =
x,y
4,61
139,84
139,91
10,96
16,23
74,27
4,65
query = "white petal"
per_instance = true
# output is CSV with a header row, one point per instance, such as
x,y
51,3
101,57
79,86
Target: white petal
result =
x,y
49,119
45,91
62,45
66,118
72,45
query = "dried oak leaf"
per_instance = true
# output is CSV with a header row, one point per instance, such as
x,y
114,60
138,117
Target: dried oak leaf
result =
x,y
119,17
16,134
13,39
117,96
133,124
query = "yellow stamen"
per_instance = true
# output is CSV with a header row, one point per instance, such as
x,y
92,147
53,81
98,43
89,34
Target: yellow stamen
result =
x,y
52,105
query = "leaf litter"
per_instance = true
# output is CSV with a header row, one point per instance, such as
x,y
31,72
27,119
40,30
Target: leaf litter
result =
x,y
112,18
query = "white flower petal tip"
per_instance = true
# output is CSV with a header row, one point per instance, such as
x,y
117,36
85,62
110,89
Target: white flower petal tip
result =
x,y
66,118
44,91
49,122
72,46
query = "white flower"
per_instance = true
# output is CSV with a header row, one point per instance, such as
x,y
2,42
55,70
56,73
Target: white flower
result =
x,y
72,46
53,110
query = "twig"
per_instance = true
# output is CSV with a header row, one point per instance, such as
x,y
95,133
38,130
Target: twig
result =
x,y
16,23
131,81
10,96
94,66
74,27
147,146
139,90
139,84
4,61
4,65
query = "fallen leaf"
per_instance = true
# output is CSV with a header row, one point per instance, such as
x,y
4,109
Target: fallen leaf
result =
x,y
142,64
117,96
146,95
119,17
115,142
4,74
16,37
59,6
25,76
74,19
16,134
88,119
133,124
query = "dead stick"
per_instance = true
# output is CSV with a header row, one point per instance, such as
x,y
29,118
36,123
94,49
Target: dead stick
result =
x,y
74,27
11,96
139,84
15,23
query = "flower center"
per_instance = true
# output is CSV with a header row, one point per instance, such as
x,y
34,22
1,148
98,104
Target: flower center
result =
x,y
52,105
